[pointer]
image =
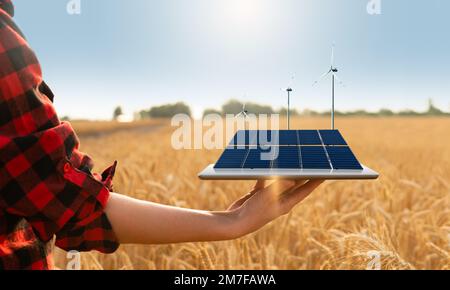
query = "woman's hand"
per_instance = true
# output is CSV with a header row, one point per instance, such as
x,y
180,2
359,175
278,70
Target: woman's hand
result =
x,y
264,204
141,222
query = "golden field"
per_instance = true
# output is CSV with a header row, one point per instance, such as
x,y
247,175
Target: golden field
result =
x,y
404,216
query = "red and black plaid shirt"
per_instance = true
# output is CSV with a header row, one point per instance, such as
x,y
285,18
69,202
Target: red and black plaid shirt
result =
x,y
46,186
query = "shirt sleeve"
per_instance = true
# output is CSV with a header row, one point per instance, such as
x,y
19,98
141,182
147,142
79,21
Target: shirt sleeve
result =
x,y
89,228
44,178
55,191
7,6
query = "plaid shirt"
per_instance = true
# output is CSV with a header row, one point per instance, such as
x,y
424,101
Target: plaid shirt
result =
x,y
47,190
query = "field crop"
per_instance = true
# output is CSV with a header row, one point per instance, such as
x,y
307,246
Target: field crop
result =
x,y
400,221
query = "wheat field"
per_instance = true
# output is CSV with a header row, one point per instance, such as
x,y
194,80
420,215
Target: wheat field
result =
x,y
402,219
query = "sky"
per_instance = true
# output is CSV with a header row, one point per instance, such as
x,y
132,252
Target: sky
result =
x,y
142,53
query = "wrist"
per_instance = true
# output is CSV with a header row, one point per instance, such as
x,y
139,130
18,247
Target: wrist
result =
x,y
239,223
232,224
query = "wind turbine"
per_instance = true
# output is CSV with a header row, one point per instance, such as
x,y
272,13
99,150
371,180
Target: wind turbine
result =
x,y
243,113
289,90
333,71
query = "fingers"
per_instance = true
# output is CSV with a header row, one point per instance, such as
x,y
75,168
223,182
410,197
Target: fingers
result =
x,y
237,204
299,183
279,188
292,191
260,184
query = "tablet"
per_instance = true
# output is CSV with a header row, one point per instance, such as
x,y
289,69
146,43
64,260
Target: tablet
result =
x,y
211,173
287,154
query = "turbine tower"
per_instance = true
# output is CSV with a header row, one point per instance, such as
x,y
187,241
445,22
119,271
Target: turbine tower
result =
x,y
289,90
333,71
243,114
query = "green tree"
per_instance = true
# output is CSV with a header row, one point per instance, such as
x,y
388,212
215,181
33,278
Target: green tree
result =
x,y
166,111
432,110
385,112
117,113
232,107
292,112
211,111
408,113
235,107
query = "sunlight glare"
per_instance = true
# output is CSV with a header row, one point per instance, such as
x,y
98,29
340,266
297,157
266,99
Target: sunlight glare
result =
x,y
246,16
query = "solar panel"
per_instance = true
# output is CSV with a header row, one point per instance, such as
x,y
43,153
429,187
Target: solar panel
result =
x,y
255,159
332,137
309,137
245,138
288,137
296,149
343,158
267,137
291,154
288,158
231,158
314,157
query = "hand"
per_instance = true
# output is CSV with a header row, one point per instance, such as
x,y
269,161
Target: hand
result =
x,y
141,222
264,204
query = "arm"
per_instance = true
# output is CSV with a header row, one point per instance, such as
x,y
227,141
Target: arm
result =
x,y
140,222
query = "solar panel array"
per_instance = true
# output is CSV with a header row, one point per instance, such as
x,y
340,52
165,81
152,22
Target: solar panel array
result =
x,y
288,137
288,149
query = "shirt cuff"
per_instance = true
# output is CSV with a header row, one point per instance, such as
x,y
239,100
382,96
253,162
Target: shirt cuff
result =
x,y
89,228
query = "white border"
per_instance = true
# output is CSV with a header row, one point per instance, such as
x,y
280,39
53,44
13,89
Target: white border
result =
x,y
210,173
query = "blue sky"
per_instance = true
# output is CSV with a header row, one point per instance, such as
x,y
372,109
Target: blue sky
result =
x,y
141,53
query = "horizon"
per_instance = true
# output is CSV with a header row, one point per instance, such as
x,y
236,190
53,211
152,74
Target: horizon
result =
x,y
204,53
199,114
306,112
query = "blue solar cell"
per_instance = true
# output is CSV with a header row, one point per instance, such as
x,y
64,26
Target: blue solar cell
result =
x,y
232,158
288,158
309,137
332,137
258,158
314,157
288,137
343,158
297,149
281,137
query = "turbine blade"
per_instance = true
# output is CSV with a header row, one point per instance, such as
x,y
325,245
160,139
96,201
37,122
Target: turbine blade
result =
x,y
339,80
321,77
291,80
332,55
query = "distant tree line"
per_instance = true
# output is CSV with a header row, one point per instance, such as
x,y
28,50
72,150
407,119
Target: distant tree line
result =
x,y
165,111
235,107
